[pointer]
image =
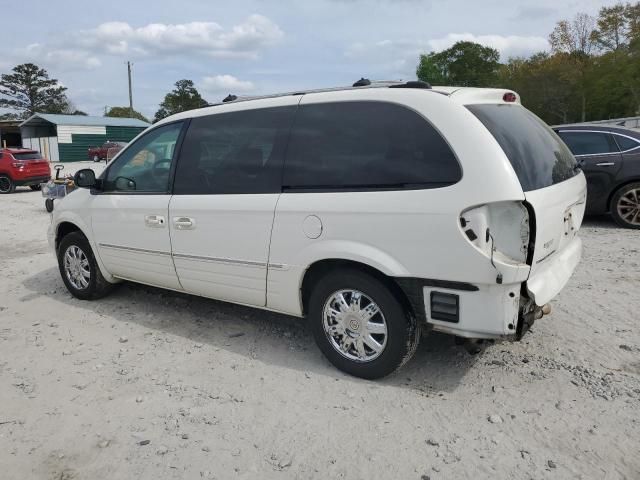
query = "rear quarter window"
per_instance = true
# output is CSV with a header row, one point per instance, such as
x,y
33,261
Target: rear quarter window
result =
x,y
589,143
537,155
366,145
626,143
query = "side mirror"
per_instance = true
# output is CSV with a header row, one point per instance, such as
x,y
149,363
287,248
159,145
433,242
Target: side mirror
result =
x,y
85,178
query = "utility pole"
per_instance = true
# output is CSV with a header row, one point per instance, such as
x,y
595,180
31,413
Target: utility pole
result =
x,y
130,94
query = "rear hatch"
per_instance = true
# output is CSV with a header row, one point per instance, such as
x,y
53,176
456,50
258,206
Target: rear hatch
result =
x,y
33,163
554,188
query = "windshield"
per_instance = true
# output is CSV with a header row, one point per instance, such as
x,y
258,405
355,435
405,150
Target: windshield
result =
x,y
538,156
27,156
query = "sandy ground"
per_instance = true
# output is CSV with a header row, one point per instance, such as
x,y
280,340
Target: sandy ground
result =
x,y
151,384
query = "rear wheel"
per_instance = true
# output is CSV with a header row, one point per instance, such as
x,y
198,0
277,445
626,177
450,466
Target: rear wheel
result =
x,y
96,158
360,325
35,188
625,206
6,184
79,270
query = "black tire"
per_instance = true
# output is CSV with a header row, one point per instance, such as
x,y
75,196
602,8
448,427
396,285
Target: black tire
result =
x,y
48,204
96,158
403,331
624,198
97,286
35,188
6,184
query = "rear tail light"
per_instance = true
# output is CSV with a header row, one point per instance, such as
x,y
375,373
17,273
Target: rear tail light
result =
x,y
499,230
509,97
445,306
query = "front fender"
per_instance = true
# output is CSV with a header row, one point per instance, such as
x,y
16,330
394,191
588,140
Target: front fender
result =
x,y
80,218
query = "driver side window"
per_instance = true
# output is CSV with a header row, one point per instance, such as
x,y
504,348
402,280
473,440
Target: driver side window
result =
x,y
145,165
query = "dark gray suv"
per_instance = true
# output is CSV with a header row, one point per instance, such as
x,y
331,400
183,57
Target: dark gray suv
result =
x,y
610,159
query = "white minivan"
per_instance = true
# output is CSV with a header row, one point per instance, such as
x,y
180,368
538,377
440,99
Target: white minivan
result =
x,y
376,211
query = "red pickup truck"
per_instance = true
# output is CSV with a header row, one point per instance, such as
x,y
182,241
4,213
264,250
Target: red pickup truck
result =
x,y
106,151
22,167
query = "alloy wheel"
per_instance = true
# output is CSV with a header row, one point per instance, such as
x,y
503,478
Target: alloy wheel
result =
x,y
5,185
629,206
76,267
355,325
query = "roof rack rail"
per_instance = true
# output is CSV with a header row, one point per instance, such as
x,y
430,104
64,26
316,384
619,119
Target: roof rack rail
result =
x,y
363,83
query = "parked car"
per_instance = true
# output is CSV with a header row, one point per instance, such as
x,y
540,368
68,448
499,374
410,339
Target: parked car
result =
x,y
376,211
610,159
22,167
106,151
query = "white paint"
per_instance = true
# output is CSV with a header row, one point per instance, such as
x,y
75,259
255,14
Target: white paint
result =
x,y
406,233
65,131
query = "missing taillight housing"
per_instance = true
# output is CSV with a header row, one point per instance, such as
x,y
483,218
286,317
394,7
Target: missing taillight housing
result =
x,y
508,223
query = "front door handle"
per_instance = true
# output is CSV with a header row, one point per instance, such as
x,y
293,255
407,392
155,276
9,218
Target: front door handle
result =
x,y
154,221
184,223
605,164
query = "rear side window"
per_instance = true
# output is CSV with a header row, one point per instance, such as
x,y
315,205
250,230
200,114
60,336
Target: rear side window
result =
x,y
27,156
626,143
589,143
237,152
366,145
539,158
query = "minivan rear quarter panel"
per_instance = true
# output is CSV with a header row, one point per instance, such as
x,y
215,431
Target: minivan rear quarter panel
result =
x,y
402,233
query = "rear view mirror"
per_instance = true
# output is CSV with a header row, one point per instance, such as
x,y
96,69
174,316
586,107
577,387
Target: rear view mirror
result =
x,y
85,178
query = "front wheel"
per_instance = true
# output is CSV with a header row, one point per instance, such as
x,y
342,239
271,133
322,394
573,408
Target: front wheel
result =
x,y
360,325
96,158
79,270
6,184
625,206
48,204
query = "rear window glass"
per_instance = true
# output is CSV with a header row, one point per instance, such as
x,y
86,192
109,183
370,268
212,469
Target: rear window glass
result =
x,y
626,143
588,143
366,145
539,158
27,156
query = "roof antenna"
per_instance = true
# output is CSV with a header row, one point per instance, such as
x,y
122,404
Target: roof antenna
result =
x,y
230,98
363,82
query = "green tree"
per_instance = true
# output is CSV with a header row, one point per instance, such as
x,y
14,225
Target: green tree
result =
x,y
182,98
575,41
29,90
125,112
466,64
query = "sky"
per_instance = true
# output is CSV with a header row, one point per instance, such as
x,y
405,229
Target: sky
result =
x,y
252,47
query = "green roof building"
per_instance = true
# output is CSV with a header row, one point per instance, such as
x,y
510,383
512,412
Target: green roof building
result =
x,y
67,138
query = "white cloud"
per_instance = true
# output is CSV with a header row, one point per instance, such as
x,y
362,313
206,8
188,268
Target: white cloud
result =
x,y
69,58
225,84
508,46
244,40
